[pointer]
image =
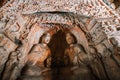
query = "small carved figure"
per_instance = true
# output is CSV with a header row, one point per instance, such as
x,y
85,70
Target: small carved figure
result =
x,y
11,64
78,57
107,59
97,64
69,54
40,52
75,53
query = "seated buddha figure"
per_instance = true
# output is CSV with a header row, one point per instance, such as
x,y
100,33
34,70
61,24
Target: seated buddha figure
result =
x,y
40,52
75,53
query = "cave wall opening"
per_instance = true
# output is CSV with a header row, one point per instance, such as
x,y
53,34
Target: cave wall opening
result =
x,y
58,45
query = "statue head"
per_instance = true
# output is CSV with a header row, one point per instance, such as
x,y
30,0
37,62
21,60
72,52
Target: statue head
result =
x,y
70,38
46,38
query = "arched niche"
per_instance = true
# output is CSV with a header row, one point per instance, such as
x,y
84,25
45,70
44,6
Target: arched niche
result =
x,y
52,23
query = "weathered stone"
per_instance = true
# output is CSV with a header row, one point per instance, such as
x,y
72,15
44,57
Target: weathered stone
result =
x,y
92,22
6,47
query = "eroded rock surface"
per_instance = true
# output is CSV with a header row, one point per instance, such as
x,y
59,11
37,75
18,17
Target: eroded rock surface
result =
x,y
95,48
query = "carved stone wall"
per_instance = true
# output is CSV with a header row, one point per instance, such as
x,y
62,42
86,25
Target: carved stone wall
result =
x,y
23,23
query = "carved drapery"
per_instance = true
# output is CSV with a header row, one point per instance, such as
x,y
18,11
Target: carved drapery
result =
x,y
22,25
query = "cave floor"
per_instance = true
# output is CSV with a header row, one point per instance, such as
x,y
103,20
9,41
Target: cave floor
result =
x,y
57,73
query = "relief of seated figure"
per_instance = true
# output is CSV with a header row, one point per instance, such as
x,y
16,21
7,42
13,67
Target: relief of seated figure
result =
x,y
40,52
79,60
76,53
38,59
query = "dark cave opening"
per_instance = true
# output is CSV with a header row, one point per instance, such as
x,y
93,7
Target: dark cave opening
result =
x,y
57,46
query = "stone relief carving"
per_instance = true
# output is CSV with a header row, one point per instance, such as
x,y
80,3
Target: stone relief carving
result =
x,y
6,47
12,63
97,64
25,28
76,49
97,33
40,52
112,31
75,53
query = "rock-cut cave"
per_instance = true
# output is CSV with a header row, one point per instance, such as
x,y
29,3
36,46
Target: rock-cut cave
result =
x,y
60,40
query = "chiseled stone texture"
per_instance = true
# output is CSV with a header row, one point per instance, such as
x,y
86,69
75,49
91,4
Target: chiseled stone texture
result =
x,y
23,22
